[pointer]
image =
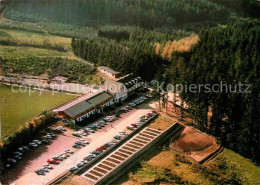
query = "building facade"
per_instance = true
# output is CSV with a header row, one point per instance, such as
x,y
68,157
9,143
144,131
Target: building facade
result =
x,y
85,106
108,71
123,87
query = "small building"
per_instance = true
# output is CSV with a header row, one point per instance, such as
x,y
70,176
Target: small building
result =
x,y
85,106
108,71
123,87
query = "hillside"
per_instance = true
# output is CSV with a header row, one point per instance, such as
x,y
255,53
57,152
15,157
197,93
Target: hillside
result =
x,y
165,166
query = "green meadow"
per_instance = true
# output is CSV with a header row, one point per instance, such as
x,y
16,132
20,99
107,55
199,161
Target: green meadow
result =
x,y
18,107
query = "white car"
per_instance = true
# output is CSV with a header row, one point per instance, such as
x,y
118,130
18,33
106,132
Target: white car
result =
x,y
48,166
69,151
83,141
130,127
37,142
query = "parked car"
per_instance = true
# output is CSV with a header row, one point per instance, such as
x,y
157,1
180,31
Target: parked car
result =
x,y
113,141
76,134
11,160
69,151
39,172
76,146
91,130
108,144
52,161
95,152
48,137
134,125
21,149
73,169
130,127
118,137
18,153
26,148
17,157
80,164
89,158
59,129
37,142
79,143
58,158
32,145
48,166
103,147
45,142
84,141
44,169
99,149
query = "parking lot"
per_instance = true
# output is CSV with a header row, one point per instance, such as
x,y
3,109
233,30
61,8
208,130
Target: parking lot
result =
x,y
24,173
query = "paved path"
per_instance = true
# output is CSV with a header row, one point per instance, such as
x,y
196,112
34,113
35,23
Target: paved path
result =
x,y
96,139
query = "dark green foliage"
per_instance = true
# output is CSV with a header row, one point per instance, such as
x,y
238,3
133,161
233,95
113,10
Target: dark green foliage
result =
x,y
244,7
164,15
114,33
139,59
53,66
229,55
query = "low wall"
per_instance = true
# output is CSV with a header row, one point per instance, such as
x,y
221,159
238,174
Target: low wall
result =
x,y
122,169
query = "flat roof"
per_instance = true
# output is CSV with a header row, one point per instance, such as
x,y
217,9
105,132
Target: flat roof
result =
x,y
84,103
108,69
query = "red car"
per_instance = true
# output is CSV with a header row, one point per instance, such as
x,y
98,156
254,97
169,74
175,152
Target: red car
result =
x,y
52,161
99,149
103,147
154,112
134,125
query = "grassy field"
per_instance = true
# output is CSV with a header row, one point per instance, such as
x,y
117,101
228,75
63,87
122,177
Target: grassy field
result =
x,y
21,43
34,39
18,107
165,166
21,51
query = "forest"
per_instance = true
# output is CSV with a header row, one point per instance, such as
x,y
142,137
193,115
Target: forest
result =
x,y
228,54
149,14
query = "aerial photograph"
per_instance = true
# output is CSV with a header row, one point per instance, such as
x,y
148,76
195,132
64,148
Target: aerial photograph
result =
x,y
129,92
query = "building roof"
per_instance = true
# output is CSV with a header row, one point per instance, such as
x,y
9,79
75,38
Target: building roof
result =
x,y
113,87
109,70
82,104
129,80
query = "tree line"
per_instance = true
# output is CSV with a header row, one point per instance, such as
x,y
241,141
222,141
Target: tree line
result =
x,y
229,55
